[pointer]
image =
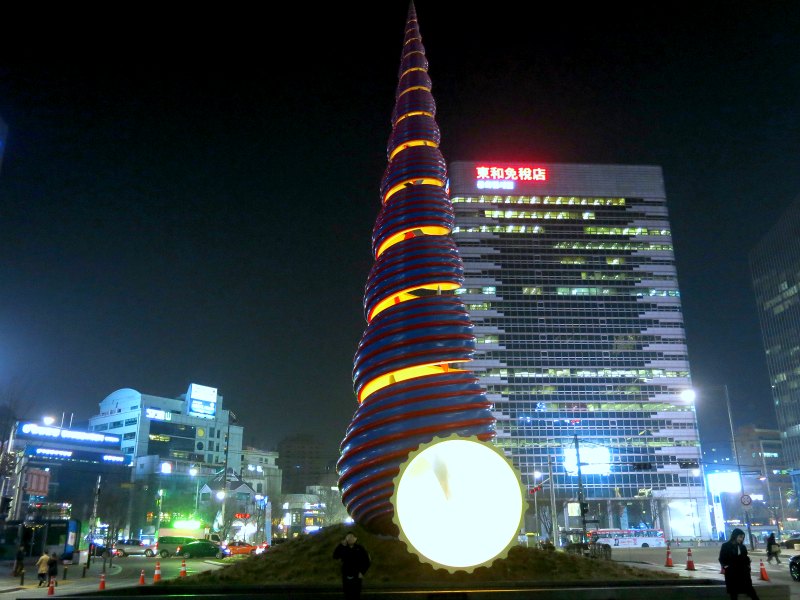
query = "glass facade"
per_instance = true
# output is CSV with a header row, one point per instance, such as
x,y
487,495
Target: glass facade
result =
x,y
775,268
571,283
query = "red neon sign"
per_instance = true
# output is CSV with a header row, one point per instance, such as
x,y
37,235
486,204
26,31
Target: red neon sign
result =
x,y
500,173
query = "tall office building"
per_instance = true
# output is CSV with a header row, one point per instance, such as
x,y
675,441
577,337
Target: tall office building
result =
x,y
570,280
775,268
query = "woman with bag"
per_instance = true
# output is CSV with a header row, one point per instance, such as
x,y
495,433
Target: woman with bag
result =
x,y
773,549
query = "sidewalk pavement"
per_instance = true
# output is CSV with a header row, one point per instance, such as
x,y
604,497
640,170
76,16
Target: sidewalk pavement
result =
x,y
75,576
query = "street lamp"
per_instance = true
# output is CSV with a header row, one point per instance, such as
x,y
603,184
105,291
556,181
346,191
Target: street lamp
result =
x,y
231,417
536,475
159,501
194,471
690,395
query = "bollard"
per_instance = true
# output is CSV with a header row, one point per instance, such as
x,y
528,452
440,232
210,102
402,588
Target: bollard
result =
x,y
22,577
64,577
84,571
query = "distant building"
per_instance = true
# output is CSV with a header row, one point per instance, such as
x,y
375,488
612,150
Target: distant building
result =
x,y
260,470
775,268
764,471
570,280
175,445
303,463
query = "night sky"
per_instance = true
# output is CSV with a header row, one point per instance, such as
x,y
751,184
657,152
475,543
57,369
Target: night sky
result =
x,y
191,198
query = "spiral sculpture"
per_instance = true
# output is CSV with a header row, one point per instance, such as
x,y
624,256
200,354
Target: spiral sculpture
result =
x,y
409,376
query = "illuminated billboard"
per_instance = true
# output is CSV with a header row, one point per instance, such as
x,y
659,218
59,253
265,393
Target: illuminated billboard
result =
x,y
34,431
202,400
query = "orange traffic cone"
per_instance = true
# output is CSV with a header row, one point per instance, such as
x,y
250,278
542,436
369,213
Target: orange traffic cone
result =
x,y
669,558
51,589
102,581
764,576
157,574
183,568
690,561
141,578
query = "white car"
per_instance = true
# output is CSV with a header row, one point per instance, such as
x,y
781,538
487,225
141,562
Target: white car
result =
x,y
134,547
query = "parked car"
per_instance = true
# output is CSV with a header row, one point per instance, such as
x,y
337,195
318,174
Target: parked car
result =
x,y
790,542
239,547
199,548
262,547
168,545
794,567
134,547
101,550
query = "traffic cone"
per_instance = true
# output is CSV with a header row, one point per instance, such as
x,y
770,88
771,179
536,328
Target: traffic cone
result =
x,y
157,574
669,558
51,589
690,561
141,578
764,576
102,581
183,568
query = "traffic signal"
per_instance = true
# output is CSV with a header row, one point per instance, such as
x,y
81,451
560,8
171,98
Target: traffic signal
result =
x,y
535,489
584,508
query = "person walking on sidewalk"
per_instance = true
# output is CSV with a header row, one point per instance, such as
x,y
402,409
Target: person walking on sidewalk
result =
x,y
734,560
773,549
41,567
52,569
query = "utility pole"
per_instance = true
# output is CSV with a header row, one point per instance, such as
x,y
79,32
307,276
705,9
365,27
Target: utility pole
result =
x,y
93,521
556,539
581,503
738,466
231,417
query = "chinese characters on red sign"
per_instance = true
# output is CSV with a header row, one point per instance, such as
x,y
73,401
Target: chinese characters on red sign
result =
x,y
511,173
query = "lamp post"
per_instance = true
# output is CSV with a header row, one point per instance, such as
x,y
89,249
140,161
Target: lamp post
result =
x,y
159,500
536,475
231,417
691,395
194,471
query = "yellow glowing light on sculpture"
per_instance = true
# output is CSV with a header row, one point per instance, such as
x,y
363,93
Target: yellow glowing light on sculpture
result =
x,y
408,294
416,87
459,503
408,182
409,233
415,113
411,144
402,374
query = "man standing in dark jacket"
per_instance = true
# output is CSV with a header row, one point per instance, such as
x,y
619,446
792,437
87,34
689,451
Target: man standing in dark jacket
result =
x,y
734,560
355,562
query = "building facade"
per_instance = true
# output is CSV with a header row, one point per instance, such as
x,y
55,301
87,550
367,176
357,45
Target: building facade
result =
x,y
175,445
571,283
58,469
260,470
775,269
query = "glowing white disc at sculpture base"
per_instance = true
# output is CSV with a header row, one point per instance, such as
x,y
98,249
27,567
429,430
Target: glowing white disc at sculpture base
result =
x,y
459,503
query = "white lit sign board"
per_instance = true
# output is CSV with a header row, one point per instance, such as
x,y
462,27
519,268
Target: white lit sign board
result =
x,y
157,414
202,400
32,430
